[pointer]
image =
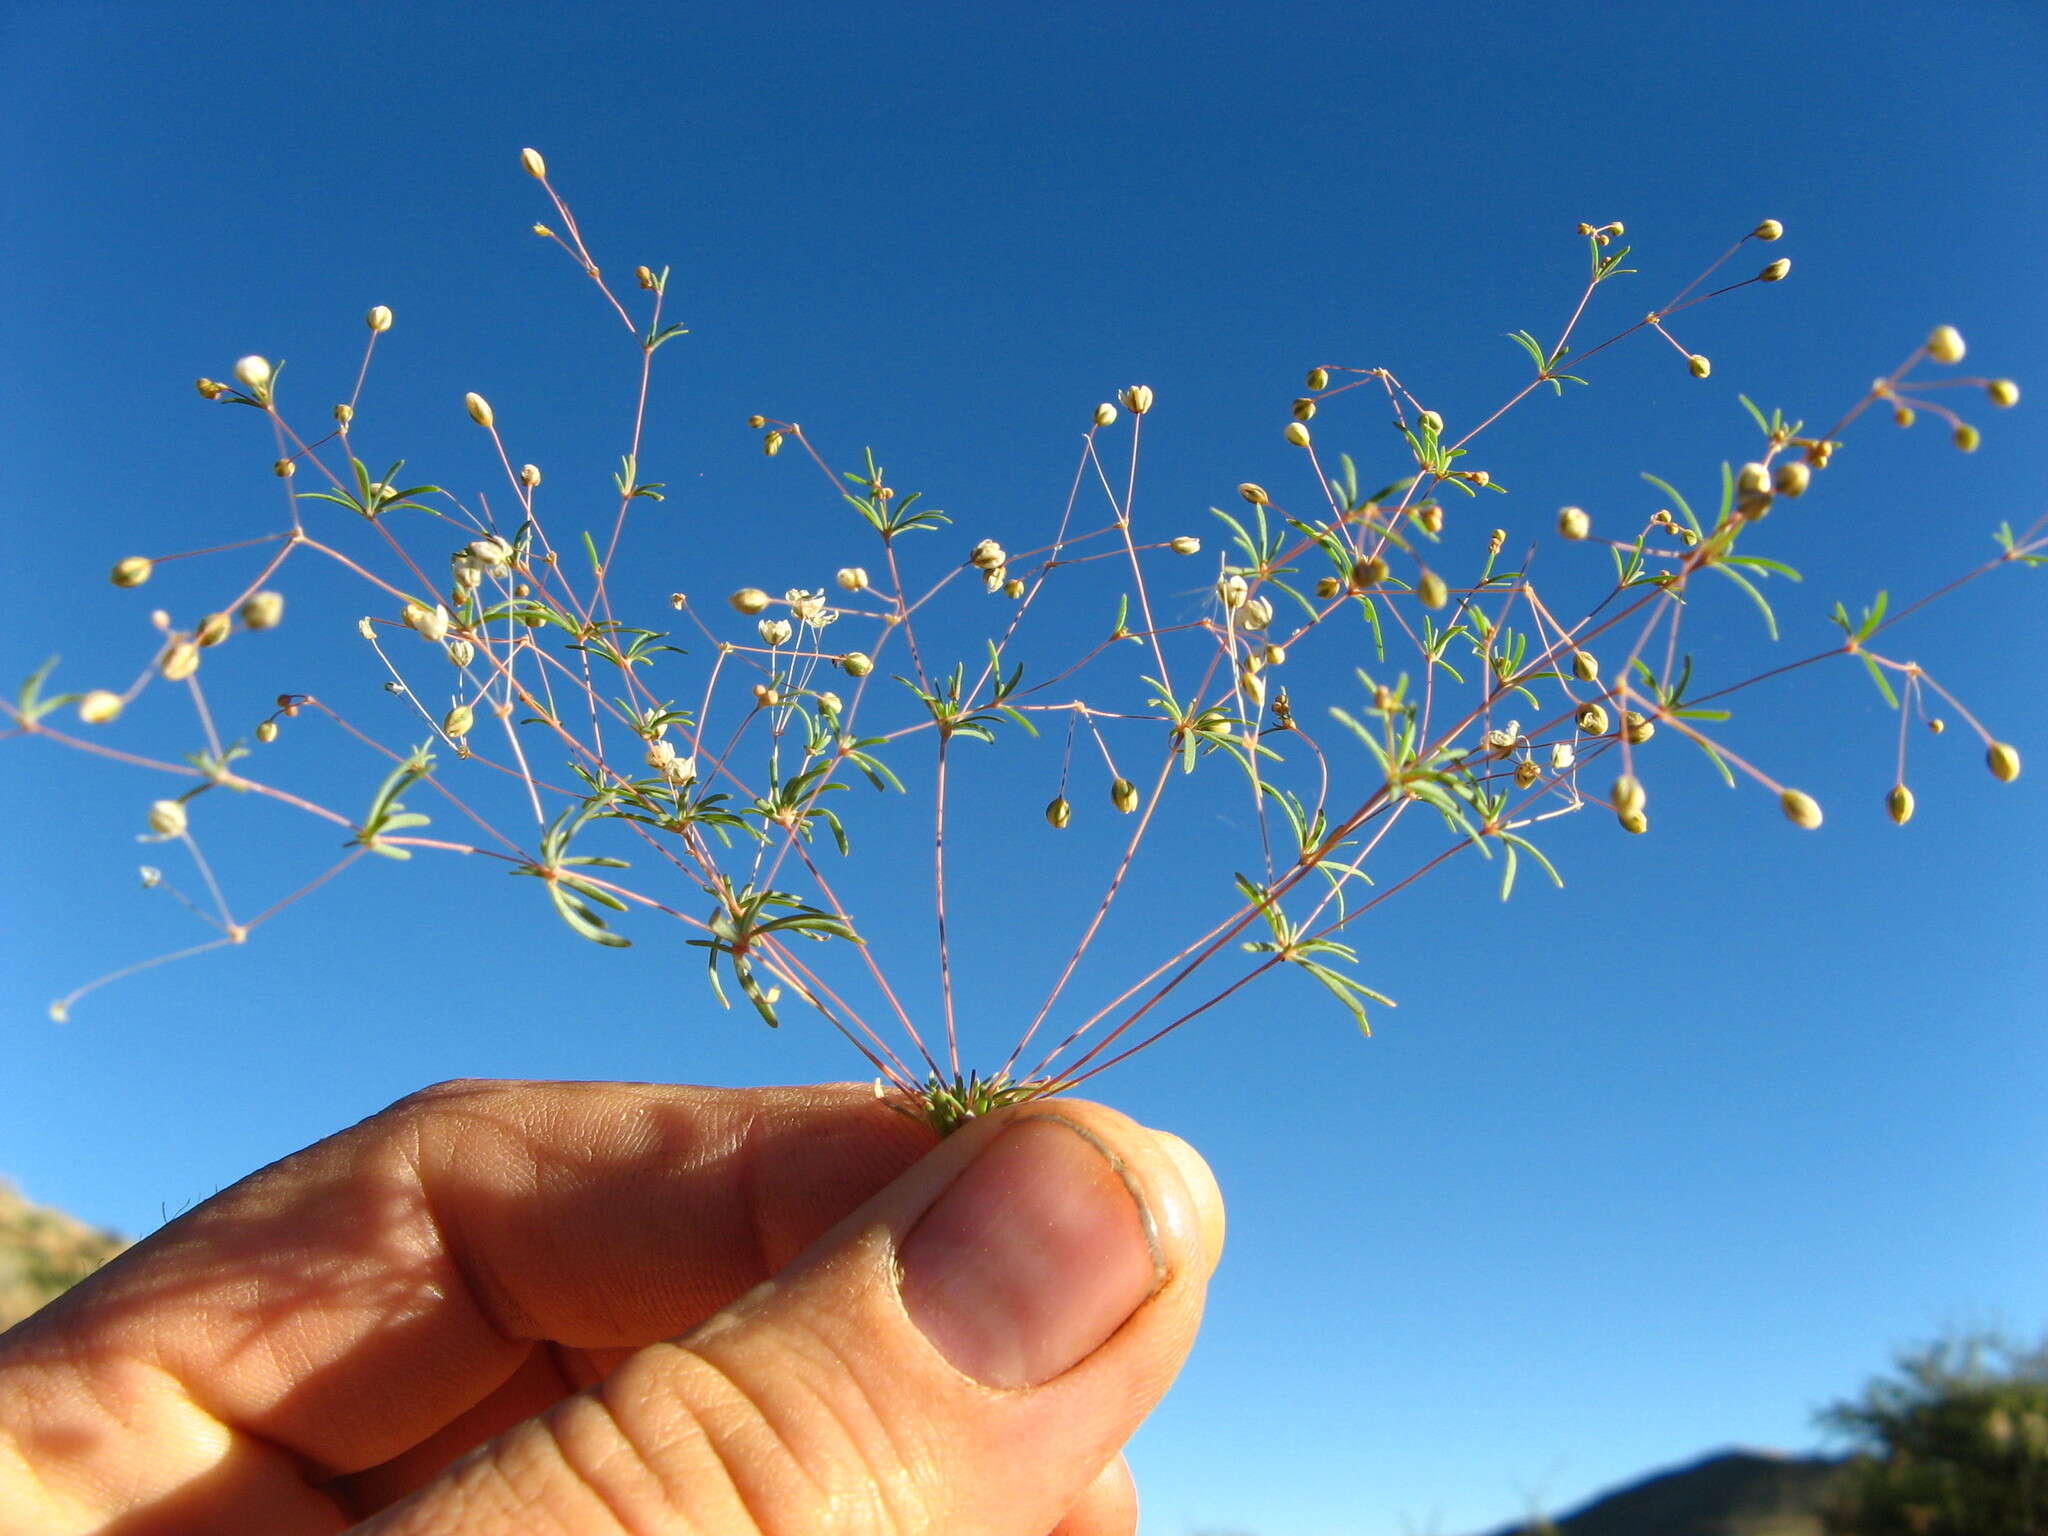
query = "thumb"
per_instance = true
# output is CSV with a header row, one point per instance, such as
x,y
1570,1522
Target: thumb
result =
x,y
964,1353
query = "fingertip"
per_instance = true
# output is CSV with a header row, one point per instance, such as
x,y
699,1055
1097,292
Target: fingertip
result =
x,y
1202,1191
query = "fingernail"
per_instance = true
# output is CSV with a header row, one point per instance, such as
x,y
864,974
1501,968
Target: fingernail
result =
x,y
1032,1257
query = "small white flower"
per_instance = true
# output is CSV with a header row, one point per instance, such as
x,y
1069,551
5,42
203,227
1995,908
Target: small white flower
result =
x,y
1562,756
774,631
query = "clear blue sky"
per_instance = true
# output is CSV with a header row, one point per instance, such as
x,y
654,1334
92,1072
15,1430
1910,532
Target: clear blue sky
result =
x,y
1641,1168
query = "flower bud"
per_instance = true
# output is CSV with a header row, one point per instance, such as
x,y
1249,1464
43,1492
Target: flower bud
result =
x,y
1573,523
266,731
1432,591
774,631
1123,794
1105,413
2004,761
529,475
1898,804
284,469
2003,392
254,373
167,818
1137,399
536,167
1255,494
1328,587
180,661
1801,810
457,722
1700,364
263,610
1775,272
856,664
100,707
749,600
132,572
1185,544
1752,480
543,231
479,409
1592,720
852,578
1432,422
1319,378
1302,409
1231,591
428,623
1274,655
1058,812
1527,773
379,318
1431,516
830,702
1627,795
1585,666
1013,588
1770,229
1636,821
1966,437
1368,572
1945,344
1297,434
1253,686
772,444
1902,416
209,389
1792,478
1637,728
1937,725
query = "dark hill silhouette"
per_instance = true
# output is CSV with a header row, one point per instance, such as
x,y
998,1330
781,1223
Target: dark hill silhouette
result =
x,y
1730,1493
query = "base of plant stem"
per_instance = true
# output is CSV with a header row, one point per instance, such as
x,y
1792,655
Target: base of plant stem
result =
x,y
948,1105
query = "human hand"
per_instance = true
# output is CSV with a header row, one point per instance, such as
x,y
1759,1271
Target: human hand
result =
x,y
591,1309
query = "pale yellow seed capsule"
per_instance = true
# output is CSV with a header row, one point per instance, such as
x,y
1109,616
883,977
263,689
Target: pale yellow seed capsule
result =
x,y
1638,728
1945,344
254,373
1253,493
1801,810
2003,392
1058,813
181,660
344,413
529,475
1431,422
209,389
543,231
1937,725
1752,480
1328,587
1573,523
1319,378
772,444
1775,272
167,818
1432,591
856,664
1898,804
479,409
1302,409
1966,437
1902,416
284,469
2003,759
853,578
457,722
132,572
645,277
1637,822
1627,795
1297,434
1013,588
461,652
1274,655
1185,544
1526,773
1137,399
263,610
379,318
1123,794
1431,517
1770,229
536,167
1792,478
1700,364
266,731
1592,720
1369,572
100,707
749,600
1585,666
1105,413
757,422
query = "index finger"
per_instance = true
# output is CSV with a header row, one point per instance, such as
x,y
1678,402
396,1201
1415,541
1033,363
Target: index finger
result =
x,y
344,1303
